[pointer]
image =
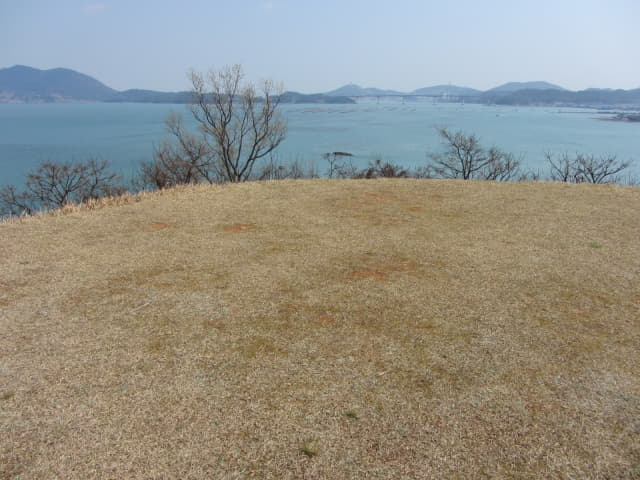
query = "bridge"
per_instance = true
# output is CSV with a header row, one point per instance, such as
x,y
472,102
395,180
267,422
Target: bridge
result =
x,y
445,97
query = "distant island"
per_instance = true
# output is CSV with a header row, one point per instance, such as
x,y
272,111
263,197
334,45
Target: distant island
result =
x,y
512,93
624,117
22,84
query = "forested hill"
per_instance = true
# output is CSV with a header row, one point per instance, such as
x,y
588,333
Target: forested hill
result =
x,y
21,84
590,97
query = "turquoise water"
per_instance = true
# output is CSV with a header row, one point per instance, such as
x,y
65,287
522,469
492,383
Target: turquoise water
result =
x,y
402,133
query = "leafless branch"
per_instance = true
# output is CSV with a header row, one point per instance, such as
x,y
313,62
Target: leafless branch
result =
x,y
464,157
585,168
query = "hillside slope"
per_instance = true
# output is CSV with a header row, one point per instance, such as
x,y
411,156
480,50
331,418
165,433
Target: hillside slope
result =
x,y
21,84
26,84
511,87
325,329
448,90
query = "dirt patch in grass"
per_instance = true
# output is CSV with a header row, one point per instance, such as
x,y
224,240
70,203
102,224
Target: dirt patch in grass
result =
x,y
366,329
155,226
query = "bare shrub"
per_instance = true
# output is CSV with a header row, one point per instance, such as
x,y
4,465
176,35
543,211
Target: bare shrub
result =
x,y
15,203
274,170
464,157
563,169
603,169
380,169
340,165
529,176
502,166
54,185
585,168
182,159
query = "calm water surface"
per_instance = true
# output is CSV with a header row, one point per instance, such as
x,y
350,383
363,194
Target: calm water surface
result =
x,y
400,132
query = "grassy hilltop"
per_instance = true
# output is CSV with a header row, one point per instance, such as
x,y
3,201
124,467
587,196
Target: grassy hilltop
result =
x,y
325,329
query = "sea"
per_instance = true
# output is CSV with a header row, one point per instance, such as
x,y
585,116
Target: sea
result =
x,y
400,132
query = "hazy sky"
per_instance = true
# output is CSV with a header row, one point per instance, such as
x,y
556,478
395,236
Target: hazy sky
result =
x,y
319,45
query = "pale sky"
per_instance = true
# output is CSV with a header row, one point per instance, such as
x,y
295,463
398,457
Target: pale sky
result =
x,y
319,45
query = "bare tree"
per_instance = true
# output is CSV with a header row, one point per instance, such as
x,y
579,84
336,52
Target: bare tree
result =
x,y
238,125
191,156
99,181
54,185
465,158
585,168
181,159
563,169
462,158
502,166
602,169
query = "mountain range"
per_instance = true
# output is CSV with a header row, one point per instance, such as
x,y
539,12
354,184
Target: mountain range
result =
x,y
22,84
353,90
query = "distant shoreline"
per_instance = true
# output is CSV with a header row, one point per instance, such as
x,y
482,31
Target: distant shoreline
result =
x,y
623,117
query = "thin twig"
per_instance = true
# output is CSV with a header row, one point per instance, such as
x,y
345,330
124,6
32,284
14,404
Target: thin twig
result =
x,y
140,306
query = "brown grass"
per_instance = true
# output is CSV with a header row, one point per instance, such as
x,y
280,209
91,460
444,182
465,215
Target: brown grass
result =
x,y
325,329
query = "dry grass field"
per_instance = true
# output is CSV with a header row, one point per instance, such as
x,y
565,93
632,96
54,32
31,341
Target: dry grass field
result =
x,y
401,329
